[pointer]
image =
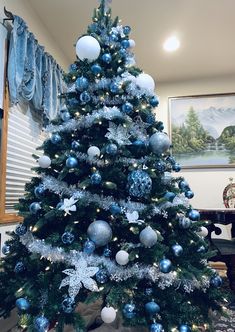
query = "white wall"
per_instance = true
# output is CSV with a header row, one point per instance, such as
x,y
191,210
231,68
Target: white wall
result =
x,y
23,9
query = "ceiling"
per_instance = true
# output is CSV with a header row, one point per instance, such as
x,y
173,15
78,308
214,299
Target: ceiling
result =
x,y
206,29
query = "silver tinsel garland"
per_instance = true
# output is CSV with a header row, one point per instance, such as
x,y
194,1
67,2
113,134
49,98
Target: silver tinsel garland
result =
x,y
116,272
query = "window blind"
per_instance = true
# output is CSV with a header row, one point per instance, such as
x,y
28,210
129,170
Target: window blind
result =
x,y
24,136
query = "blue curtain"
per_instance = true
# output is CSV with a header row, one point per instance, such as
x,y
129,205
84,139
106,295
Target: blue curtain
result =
x,y
33,74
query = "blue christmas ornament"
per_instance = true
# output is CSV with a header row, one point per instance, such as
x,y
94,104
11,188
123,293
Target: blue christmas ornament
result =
x,y
148,291
139,183
156,327
39,191
177,250
115,209
21,230
89,247
102,276
65,116
126,29
85,97
176,167
139,144
106,57
189,194
81,83
96,69
67,237
75,145
107,252
68,305
216,281
152,308
55,138
114,87
123,52
73,102
19,267
22,304
165,265
34,207
183,185
127,108
111,149
125,43
160,166
113,37
184,328
169,196
6,249
185,222
96,178
129,310
100,232
154,101
194,215
41,324
71,162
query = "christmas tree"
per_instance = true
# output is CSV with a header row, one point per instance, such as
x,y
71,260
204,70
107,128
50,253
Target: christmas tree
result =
x,y
105,218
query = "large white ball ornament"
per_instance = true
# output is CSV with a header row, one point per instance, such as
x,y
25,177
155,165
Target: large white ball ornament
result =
x,y
145,81
159,142
44,161
87,47
131,43
93,151
122,257
108,315
148,237
203,232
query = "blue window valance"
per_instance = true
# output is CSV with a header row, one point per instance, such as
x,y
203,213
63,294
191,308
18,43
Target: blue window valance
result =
x,y
33,74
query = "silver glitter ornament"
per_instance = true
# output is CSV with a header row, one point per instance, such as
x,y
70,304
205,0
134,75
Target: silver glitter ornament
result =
x,y
148,237
139,183
159,142
100,232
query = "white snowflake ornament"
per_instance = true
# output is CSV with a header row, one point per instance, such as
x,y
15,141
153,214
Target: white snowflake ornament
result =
x,y
69,205
133,218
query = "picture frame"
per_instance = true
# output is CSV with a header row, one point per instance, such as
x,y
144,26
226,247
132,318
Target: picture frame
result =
x,y
202,130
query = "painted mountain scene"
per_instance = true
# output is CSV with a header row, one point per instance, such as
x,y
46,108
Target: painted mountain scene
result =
x,y
203,130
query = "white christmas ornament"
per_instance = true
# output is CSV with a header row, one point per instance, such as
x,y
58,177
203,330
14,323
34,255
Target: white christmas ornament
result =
x,y
108,314
131,43
93,151
69,205
44,161
203,232
133,218
148,237
87,47
122,257
145,81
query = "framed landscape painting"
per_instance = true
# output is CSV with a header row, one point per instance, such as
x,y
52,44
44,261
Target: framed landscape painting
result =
x,y
202,130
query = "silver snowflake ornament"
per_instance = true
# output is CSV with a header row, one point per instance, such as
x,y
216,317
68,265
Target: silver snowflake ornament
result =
x,y
119,134
79,277
69,205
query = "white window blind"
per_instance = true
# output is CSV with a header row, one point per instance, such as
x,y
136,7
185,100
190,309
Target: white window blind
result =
x,y
24,136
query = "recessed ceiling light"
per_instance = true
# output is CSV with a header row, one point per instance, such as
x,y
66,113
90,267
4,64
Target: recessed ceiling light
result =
x,y
171,44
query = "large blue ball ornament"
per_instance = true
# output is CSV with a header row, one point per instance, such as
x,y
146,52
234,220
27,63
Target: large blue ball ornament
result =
x,y
183,185
176,167
129,310
115,209
184,328
71,162
126,29
96,178
139,183
194,215
107,57
65,116
68,305
22,304
41,324
67,237
216,281
100,232
81,83
34,207
96,69
111,149
19,267
152,308
75,145
6,249
89,247
85,97
114,87
189,194
21,230
169,196
165,265
159,142
177,250
127,108
102,276
154,101
55,138
125,43
39,191
156,327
